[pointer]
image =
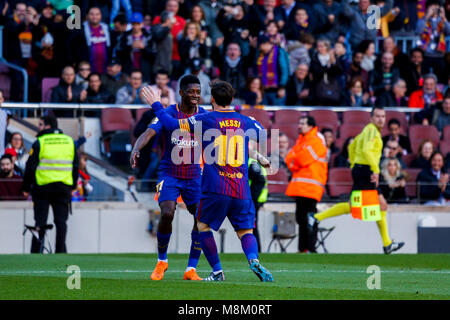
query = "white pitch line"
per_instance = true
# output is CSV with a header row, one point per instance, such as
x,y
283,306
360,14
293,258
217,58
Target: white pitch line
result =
x,y
230,270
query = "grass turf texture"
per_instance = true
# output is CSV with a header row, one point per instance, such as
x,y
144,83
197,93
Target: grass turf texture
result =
x,y
297,276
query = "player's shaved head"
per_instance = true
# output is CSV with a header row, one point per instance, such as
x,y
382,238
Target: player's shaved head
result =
x,y
190,91
222,92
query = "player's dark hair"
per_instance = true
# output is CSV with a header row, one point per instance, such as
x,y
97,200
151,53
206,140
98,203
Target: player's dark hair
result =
x,y
187,80
7,156
50,121
394,121
162,71
120,18
374,108
309,120
222,92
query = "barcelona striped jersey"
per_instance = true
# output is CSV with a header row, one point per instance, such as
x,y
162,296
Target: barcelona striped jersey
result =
x,y
189,166
225,138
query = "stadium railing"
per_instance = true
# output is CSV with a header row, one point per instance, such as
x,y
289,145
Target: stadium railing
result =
x,y
406,43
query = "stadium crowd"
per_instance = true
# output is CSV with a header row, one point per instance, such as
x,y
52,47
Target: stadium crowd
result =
x,y
273,52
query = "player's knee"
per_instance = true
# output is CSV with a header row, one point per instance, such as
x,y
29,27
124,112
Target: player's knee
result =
x,y
202,227
241,233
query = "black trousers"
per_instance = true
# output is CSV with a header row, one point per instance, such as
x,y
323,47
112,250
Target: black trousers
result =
x,y
303,207
255,230
59,197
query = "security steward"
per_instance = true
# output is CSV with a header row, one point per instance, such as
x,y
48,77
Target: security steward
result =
x,y
308,164
51,174
257,176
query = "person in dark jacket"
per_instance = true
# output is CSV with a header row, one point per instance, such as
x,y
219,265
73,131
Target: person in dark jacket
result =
x,y
299,86
342,161
394,127
434,186
114,78
234,24
395,97
91,43
383,77
48,188
96,92
392,180
67,91
426,150
135,48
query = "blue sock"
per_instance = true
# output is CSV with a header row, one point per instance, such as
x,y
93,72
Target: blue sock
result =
x,y
196,249
210,250
250,246
163,244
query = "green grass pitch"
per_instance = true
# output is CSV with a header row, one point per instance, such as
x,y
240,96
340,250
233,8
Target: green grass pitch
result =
x,y
297,276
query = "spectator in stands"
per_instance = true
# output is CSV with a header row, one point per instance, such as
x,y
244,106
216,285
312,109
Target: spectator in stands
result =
x,y
161,84
325,70
367,47
392,150
211,9
13,154
272,67
412,73
233,68
432,30
254,95
83,184
355,70
96,92
327,13
286,12
273,32
330,143
342,160
392,180
91,43
394,128
196,68
115,7
299,51
176,25
356,96
261,15
382,79
386,19
161,35
120,27
20,45
192,44
307,162
344,60
135,48
129,94
281,152
114,78
395,97
81,78
299,87
67,91
359,21
428,96
441,118
400,58
434,186
300,25
16,143
234,24
10,183
422,161
4,119
198,15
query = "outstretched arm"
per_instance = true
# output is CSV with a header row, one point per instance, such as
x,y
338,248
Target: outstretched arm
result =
x,y
141,142
154,100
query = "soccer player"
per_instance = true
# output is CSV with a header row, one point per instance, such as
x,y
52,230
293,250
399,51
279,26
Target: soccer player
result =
x,y
176,179
225,186
364,155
